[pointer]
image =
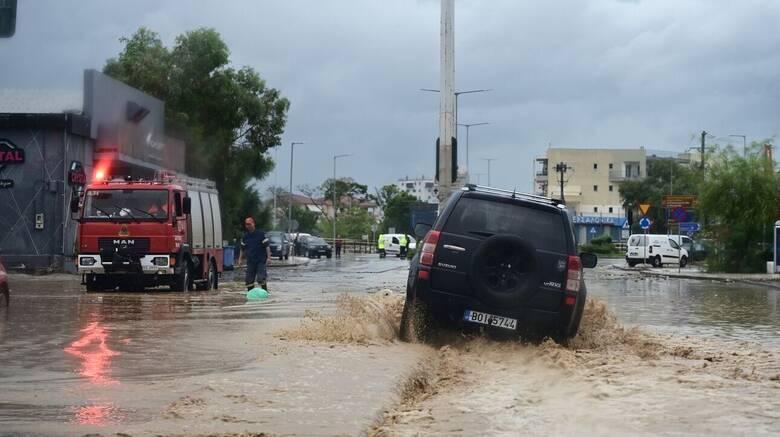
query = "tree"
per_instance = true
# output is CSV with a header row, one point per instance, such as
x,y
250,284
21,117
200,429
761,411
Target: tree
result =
x,y
661,174
352,223
344,187
229,118
385,194
307,220
398,212
739,201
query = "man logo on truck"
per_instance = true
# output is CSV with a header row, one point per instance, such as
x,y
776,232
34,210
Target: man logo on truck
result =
x,y
124,243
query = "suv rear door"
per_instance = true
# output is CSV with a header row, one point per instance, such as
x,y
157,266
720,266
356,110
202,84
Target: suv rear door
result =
x,y
477,217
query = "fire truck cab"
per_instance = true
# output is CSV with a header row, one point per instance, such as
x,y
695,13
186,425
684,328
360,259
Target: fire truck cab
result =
x,y
134,234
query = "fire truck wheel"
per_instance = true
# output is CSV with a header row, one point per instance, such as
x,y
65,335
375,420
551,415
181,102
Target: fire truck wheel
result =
x,y
213,280
182,281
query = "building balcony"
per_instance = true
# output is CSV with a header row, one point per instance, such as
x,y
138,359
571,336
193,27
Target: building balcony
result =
x,y
618,176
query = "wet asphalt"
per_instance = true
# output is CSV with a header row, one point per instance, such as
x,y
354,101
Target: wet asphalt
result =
x,y
91,360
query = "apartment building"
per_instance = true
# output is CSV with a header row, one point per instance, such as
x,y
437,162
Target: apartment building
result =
x,y
422,188
590,185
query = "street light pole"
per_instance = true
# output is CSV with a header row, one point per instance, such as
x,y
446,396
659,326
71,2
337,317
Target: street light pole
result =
x,y
276,186
744,143
457,93
290,205
468,126
489,160
333,187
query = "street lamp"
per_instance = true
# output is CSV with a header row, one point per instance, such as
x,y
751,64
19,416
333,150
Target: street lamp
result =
x,y
468,126
457,93
289,210
333,187
489,160
744,143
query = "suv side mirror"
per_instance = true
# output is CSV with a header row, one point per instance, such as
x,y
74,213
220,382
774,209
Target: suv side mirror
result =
x,y
421,229
187,205
589,260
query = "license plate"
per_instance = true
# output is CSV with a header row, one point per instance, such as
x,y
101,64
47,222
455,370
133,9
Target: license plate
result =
x,y
490,319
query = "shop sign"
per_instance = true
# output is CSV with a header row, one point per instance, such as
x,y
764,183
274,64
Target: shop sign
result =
x,y
77,177
9,155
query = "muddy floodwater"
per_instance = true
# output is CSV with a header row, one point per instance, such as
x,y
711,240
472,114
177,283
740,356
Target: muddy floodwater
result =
x,y
321,357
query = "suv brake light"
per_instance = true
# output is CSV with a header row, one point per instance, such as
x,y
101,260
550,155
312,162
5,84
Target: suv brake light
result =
x,y
429,247
574,274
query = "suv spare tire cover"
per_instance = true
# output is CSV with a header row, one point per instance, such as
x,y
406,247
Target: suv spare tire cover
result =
x,y
504,270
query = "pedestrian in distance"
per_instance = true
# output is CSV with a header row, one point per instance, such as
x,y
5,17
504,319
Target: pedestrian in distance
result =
x,y
255,247
339,243
402,246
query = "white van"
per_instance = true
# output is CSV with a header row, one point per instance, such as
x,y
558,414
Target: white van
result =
x,y
655,249
393,243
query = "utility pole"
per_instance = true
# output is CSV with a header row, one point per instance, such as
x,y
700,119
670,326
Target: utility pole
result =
x,y
703,137
489,160
446,169
335,201
468,126
290,206
561,168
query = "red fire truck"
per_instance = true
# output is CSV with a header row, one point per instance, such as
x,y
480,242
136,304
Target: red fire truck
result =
x,y
144,233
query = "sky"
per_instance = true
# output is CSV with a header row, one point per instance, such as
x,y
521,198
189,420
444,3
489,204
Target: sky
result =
x,y
597,73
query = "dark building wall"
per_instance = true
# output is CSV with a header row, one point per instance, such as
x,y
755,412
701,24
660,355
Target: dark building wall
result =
x,y
40,187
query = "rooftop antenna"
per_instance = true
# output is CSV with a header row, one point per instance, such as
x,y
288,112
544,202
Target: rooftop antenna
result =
x,y
514,192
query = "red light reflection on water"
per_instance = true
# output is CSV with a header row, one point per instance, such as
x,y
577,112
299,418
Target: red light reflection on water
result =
x,y
94,353
95,415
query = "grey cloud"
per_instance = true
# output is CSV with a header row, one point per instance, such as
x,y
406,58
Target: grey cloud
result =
x,y
597,73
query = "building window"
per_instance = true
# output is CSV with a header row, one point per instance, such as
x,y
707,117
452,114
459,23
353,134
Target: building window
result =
x,y
595,188
610,188
610,166
610,210
595,166
595,209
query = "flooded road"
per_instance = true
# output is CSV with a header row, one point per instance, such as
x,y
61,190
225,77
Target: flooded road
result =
x,y
655,356
77,362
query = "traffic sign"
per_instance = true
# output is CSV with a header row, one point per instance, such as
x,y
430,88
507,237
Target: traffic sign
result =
x,y
678,201
680,214
644,223
593,230
644,207
690,227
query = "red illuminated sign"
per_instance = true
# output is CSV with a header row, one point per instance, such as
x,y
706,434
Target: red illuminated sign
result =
x,y
9,153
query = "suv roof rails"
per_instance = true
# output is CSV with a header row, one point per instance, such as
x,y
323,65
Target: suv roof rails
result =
x,y
512,194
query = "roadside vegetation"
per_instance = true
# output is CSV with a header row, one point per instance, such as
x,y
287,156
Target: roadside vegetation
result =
x,y
738,203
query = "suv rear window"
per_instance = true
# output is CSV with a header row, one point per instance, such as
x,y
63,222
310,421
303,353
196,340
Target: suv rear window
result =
x,y
485,218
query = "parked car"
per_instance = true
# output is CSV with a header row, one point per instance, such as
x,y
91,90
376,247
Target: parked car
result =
x,y
655,249
499,259
315,247
296,239
280,247
5,291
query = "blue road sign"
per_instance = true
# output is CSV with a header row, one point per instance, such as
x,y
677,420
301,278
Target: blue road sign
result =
x,y
680,214
644,223
689,227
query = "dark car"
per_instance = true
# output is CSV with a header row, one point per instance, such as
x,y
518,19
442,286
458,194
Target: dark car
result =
x,y
315,247
280,247
499,259
5,291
